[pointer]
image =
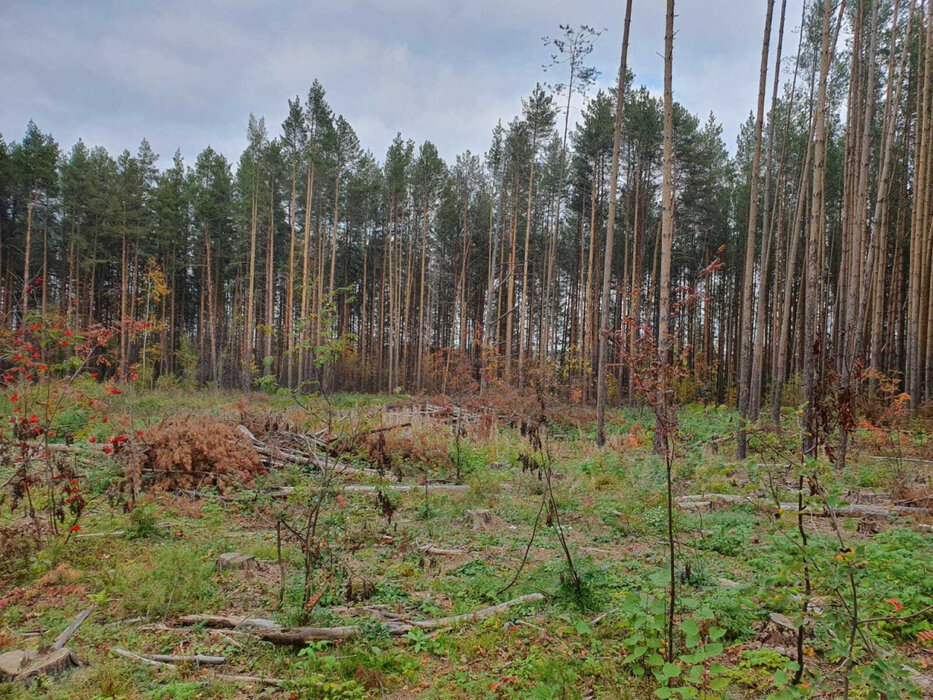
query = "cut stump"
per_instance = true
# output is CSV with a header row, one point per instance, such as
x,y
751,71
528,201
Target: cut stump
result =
x,y
233,561
20,665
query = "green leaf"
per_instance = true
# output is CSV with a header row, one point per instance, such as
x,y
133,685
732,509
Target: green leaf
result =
x,y
714,649
690,627
695,674
671,670
780,677
664,692
716,633
717,685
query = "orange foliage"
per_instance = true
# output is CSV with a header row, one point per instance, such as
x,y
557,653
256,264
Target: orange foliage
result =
x,y
190,452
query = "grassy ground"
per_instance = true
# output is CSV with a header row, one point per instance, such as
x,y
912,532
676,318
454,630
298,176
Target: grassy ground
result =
x,y
736,566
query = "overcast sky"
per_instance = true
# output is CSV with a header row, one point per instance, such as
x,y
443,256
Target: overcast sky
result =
x,y
187,73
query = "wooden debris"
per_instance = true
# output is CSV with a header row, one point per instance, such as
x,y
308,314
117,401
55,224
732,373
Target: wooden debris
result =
x,y
372,489
151,660
728,583
62,639
249,679
440,551
197,659
119,651
22,664
784,621
228,622
270,631
433,488
279,456
90,535
922,681
708,501
482,519
234,561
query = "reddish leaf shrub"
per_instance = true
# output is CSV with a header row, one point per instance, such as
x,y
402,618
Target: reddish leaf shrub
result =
x,y
190,452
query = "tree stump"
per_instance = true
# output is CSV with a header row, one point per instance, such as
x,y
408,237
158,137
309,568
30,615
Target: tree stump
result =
x,y
20,665
233,561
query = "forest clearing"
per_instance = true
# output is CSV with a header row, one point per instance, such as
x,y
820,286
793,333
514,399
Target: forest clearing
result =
x,y
424,511
630,402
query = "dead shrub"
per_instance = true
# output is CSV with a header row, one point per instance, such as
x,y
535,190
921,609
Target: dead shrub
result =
x,y
392,451
190,452
16,548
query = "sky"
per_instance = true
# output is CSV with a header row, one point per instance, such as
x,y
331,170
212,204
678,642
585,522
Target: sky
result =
x,y
187,73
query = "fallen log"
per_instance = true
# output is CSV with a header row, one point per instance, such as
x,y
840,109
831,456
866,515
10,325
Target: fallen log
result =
x,y
902,459
91,535
441,551
119,651
367,488
286,491
475,616
707,500
197,659
270,631
69,632
233,678
228,622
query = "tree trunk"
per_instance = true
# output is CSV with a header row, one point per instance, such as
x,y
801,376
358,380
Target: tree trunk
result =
x,y
745,366
601,390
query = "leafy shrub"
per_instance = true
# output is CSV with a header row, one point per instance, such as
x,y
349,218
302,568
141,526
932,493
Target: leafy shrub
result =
x,y
143,522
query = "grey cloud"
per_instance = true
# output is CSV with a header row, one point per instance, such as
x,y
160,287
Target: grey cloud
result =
x,y
187,74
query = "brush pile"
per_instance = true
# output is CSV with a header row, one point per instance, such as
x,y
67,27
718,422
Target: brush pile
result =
x,y
190,452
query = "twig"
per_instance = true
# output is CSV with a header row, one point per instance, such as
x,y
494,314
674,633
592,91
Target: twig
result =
x,y
219,676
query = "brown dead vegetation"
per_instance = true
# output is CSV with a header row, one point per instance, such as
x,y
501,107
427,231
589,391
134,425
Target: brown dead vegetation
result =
x,y
190,452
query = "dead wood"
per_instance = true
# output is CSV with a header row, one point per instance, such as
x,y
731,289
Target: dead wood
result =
x,y
270,631
69,632
151,660
707,501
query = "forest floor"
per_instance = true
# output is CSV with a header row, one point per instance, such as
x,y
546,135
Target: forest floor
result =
x,y
386,555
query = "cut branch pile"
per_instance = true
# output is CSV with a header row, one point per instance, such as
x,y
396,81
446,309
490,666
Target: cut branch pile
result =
x,y
284,447
190,452
450,413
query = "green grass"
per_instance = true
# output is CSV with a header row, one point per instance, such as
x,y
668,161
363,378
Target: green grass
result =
x,y
574,645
